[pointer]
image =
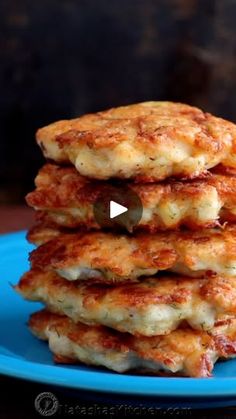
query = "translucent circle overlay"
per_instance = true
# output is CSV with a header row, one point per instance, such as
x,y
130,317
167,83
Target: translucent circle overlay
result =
x,y
124,196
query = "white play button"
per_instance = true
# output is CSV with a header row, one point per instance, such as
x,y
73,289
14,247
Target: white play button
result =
x,y
117,206
116,209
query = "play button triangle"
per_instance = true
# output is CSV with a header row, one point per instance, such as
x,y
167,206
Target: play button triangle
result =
x,y
116,209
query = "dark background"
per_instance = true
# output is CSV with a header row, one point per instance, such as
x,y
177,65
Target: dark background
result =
x,y
62,58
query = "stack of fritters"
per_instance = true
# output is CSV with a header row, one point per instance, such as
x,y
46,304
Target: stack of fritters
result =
x,y
161,298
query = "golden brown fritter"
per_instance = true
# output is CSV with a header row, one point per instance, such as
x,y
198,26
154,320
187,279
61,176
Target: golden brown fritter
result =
x,y
68,199
148,142
43,231
154,306
184,351
109,258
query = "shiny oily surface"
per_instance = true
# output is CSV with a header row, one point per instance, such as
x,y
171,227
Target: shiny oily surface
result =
x,y
147,141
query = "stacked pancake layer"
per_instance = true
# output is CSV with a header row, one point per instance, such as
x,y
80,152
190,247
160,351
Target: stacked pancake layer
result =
x,y
160,299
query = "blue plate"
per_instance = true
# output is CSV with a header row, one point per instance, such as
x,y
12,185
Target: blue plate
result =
x,y
23,356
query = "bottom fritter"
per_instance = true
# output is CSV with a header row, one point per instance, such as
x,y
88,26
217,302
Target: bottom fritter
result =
x,y
184,352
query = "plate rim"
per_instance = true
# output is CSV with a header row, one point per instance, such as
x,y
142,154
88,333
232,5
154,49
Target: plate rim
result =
x,y
117,384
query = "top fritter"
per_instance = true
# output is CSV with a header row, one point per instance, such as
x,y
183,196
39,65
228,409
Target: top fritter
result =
x,y
148,142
